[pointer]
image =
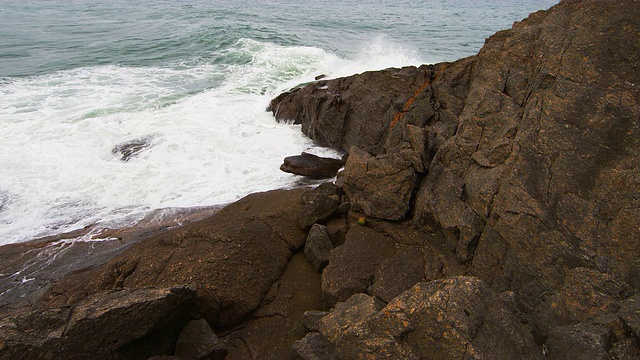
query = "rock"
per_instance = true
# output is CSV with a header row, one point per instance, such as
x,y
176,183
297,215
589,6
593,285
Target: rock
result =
x,y
319,204
311,319
350,313
232,258
272,329
129,323
314,346
198,341
628,349
630,314
586,294
453,318
352,265
378,186
129,149
311,166
317,247
583,341
398,273
338,113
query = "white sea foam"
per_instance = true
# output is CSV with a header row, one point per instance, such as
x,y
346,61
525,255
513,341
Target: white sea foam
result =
x,y
211,140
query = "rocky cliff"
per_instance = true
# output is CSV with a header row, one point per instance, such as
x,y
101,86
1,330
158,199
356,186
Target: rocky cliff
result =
x,y
488,209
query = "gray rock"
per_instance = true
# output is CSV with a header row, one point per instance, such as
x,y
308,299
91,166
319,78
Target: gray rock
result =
x,y
318,246
319,204
398,273
198,341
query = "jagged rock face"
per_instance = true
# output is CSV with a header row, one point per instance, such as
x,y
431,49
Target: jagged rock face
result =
x,y
454,318
532,146
329,110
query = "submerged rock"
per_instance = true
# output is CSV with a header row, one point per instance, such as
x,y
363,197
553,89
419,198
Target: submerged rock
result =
x,y
129,149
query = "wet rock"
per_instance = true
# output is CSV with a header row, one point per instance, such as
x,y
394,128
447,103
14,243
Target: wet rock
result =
x,y
378,186
198,341
132,148
232,258
318,246
311,166
338,113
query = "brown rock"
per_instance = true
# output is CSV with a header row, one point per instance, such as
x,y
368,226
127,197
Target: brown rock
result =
x,y
352,265
453,318
378,186
317,247
198,341
311,166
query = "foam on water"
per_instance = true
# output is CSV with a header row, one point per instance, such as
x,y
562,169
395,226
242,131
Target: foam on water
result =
x,y
211,141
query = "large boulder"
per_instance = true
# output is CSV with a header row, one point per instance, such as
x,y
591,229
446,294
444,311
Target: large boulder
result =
x,y
231,258
311,166
454,318
132,323
378,186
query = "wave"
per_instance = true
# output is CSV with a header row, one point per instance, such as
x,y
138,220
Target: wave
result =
x,y
212,143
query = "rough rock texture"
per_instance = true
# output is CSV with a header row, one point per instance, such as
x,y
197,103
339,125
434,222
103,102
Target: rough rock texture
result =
x,y
115,324
352,265
231,258
129,149
579,342
517,166
318,246
319,204
312,166
198,341
271,329
378,186
314,346
531,146
455,318
327,110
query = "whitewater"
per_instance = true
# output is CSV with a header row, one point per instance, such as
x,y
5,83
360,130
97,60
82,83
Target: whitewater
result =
x,y
192,79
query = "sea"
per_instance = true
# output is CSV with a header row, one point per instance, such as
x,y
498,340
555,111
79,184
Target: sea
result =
x,y
190,79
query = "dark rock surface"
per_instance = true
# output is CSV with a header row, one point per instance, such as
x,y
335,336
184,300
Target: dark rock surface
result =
x,y
114,324
311,166
454,318
314,346
317,247
132,148
378,186
198,341
512,172
319,204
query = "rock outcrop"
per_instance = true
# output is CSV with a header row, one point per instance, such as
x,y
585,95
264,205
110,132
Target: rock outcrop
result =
x,y
500,198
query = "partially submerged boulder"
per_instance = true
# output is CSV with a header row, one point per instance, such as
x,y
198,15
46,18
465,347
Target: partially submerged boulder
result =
x,y
311,166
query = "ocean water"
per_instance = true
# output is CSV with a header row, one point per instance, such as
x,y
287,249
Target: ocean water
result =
x,y
193,79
